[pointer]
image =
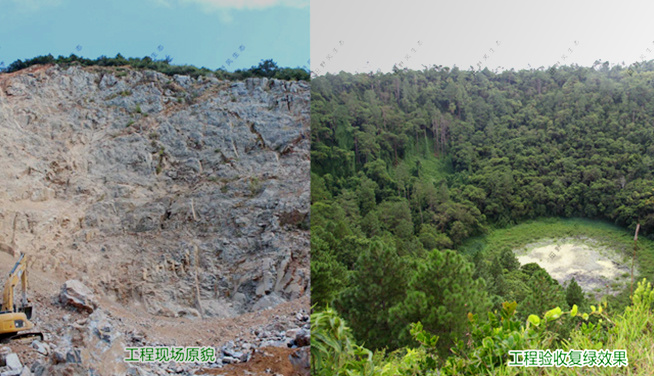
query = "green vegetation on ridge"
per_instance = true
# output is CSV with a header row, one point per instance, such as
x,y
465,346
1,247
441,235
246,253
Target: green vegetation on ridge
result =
x,y
267,68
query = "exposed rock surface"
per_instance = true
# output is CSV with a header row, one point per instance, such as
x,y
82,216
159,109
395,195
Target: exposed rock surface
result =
x,y
168,197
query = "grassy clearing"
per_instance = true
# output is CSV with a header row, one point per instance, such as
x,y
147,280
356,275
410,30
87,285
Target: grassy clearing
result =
x,y
555,228
581,230
431,168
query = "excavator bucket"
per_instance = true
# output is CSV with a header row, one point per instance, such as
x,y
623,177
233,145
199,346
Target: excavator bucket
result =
x,y
27,310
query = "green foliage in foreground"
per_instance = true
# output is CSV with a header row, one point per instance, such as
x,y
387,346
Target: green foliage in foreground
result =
x,y
486,352
333,351
267,68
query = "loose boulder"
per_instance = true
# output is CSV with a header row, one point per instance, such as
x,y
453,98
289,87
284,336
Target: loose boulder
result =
x,y
74,293
13,362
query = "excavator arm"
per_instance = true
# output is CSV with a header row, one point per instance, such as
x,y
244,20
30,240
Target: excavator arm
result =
x,y
17,275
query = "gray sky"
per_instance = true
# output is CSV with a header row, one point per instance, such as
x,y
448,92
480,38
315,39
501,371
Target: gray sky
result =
x,y
371,35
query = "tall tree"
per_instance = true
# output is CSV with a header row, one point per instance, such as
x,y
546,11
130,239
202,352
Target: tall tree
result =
x,y
379,282
440,295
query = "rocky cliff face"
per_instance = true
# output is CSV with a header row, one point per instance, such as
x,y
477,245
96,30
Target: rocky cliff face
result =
x,y
169,196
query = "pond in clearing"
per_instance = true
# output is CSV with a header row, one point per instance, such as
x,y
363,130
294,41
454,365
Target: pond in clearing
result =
x,y
598,270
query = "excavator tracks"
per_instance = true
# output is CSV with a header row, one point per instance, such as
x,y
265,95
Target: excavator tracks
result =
x,y
21,337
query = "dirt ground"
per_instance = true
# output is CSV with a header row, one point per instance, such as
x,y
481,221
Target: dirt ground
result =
x,y
596,268
267,361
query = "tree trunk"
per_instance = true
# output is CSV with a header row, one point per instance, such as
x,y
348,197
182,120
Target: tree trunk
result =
x,y
356,151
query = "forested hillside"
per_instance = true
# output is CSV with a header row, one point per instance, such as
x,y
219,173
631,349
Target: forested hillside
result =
x,y
408,166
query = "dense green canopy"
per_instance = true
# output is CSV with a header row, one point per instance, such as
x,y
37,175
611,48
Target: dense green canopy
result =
x,y
410,162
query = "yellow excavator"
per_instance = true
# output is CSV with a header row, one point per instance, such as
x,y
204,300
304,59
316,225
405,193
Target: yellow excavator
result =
x,y
16,318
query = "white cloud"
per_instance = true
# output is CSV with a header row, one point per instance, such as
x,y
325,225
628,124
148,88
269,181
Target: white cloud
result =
x,y
248,4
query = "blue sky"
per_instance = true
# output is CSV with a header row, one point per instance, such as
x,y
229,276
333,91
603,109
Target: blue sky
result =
x,y
196,32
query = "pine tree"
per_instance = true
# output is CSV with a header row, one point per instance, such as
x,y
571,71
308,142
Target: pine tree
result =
x,y
545,293
508,259
574,294
379,282
441,293
330,276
